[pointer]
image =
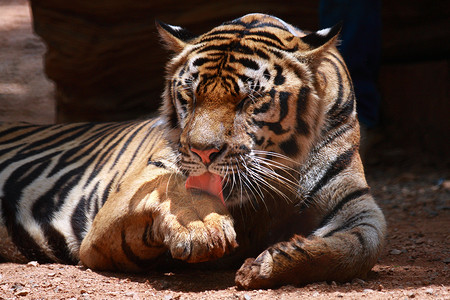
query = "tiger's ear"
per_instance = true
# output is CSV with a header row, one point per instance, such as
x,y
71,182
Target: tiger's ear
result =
x,y
318,42
175,38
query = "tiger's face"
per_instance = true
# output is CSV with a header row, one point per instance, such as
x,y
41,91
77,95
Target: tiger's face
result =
x,y
243,100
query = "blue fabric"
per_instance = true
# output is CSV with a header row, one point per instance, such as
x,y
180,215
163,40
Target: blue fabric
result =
x,y
360,46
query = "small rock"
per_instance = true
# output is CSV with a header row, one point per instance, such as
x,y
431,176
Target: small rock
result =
x,y
411,295
246,297
168,297
395,252
419,241
380,287
429,291
22,292
131,294
315,294
32,264
367,290
51,274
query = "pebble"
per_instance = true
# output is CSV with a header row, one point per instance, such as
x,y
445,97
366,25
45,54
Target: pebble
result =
x,y
429,291
395,252
247,297
33,264
23,292
367,290
411,295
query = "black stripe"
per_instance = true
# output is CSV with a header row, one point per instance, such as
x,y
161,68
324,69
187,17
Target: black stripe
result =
x,y
107,189
340,116
279,78
248,63
78,219
297,245
290,146
284,106
267,35
261,53
263,108
302,105
255,139
338,100
131,256
67,135
58,244
349,197
275,127
127,142
105,153
283,253
238,32
360,238
150,134
353,222
337,166
330,137
21,136
271,25
200,61
6,150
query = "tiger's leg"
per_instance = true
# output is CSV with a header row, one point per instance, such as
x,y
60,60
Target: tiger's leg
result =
x,y
345,246
132,230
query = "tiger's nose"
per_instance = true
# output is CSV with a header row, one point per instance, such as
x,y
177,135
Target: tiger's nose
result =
x,y
207,155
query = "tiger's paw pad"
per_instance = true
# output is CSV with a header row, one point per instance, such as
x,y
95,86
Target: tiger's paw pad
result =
x,y
255,273
203,240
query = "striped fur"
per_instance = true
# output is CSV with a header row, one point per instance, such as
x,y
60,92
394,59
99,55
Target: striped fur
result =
x,y
277,108
54,179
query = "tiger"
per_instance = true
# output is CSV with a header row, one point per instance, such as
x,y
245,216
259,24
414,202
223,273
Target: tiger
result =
x,y
252,163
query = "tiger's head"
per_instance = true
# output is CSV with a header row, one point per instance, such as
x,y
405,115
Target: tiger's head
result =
x,y
244,102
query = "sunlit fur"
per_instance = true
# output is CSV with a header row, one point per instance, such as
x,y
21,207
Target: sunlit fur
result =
x,y
277,107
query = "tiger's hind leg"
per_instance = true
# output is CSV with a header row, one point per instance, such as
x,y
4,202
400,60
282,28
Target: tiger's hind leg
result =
x,y
346,246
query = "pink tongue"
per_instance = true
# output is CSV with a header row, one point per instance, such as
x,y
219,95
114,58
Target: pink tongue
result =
x,y
207,182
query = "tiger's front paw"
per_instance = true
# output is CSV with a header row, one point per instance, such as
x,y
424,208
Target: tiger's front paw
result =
x,y
256,273
204,240
196,233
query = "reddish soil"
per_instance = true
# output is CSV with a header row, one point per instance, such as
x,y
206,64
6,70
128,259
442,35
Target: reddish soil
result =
x,y
414,194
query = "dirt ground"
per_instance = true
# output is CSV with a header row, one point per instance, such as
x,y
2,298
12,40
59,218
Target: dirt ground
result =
x,y
414,194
